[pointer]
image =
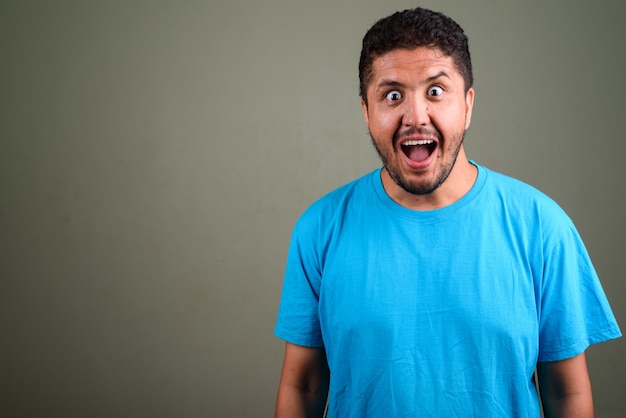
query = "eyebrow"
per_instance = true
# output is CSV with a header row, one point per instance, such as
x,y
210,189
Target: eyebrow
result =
x,y
388,83
436,76
393,83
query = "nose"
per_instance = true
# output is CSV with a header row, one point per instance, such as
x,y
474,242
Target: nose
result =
x,y
416,112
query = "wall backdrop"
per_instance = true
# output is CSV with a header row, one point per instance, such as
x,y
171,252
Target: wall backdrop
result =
x,y
154,156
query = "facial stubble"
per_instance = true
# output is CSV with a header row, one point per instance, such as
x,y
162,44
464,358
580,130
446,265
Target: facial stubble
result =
x,y
419,188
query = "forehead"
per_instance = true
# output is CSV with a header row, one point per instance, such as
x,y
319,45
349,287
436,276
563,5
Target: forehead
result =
x,y
415,63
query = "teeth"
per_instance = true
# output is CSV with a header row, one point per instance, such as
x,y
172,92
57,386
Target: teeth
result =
x,y
418,142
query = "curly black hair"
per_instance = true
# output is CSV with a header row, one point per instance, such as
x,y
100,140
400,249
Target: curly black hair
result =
x,y
410,29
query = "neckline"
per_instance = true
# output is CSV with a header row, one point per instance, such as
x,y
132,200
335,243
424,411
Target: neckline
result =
x,y
434,214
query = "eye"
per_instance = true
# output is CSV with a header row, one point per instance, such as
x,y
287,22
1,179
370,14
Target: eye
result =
x,y
435,91
394,96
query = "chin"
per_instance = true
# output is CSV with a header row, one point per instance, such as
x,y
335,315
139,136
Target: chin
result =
x,y
416,186
419,189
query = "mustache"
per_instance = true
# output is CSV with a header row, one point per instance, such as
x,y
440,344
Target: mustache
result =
x,y
416,131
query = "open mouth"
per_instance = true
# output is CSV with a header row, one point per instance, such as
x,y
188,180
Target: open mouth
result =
x,y
419,150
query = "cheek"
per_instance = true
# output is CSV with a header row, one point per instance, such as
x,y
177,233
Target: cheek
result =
x,y
451,119
384,123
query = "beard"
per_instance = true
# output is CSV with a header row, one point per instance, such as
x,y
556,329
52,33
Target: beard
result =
x,y
420,186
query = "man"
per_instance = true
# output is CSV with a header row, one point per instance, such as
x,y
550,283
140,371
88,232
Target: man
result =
x,y
434,286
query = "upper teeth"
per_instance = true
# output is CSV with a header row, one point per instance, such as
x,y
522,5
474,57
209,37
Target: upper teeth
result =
x,y
419,142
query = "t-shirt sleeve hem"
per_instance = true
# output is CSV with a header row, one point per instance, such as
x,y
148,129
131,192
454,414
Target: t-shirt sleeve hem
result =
x,y
580,347
299,339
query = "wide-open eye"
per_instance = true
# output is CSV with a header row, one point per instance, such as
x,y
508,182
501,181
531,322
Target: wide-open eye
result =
x,y
393,96
435,91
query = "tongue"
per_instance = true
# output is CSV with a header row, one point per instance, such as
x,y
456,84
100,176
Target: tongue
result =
x,y
417,152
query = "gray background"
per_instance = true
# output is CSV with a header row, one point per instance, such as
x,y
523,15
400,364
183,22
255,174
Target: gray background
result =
x,y
155,155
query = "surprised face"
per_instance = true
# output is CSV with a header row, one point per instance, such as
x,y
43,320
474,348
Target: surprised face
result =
x,y
417,112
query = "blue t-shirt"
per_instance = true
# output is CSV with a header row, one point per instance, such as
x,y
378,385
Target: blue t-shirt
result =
x,y
443,312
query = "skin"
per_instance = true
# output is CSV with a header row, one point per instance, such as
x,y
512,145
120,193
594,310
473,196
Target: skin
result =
x,y
304,381
565,388
419,95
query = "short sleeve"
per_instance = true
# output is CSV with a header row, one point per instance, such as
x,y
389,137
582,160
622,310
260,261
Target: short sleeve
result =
x,y
574,310
298,315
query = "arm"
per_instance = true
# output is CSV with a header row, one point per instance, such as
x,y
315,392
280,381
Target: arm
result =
x,y
565,388
303,384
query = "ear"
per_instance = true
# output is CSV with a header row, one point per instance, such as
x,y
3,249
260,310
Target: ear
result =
x,y
469,105
364,108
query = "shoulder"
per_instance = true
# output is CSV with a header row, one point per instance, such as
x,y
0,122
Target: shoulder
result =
x,y
323,220
526,209
514,187
330,207
521,196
